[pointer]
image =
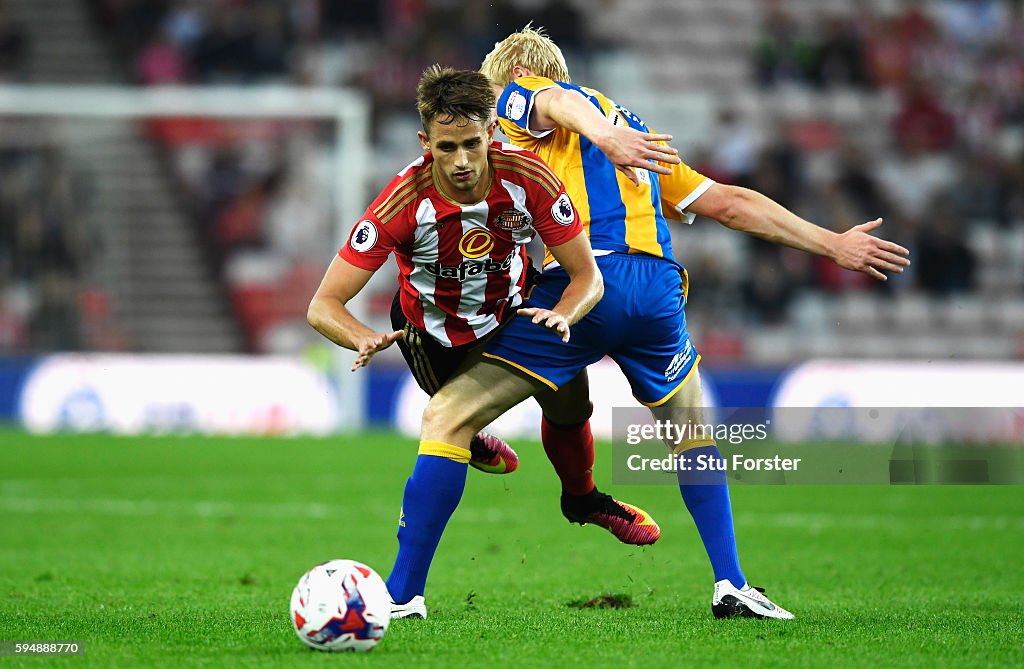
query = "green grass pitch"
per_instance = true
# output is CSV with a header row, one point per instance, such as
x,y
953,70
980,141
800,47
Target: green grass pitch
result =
x,y
183,551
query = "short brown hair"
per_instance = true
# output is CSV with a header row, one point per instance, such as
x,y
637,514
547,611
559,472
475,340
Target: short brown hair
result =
x,y
447,94
530,48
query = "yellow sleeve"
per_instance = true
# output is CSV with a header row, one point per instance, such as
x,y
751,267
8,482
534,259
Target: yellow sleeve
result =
x,y
515,105
517,135
680,189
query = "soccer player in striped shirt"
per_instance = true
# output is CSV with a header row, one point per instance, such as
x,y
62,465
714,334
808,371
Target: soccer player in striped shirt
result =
x,y
458,220
609,161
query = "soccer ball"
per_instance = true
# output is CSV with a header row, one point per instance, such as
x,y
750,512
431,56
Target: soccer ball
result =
x,y
341,605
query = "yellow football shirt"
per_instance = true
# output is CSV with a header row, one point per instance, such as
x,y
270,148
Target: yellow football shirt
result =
x,y
618,216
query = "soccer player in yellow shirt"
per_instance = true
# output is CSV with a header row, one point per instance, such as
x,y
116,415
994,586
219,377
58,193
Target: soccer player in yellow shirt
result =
x,y
609,160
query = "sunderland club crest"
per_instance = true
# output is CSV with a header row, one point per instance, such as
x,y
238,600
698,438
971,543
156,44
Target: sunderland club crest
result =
x,y
513,220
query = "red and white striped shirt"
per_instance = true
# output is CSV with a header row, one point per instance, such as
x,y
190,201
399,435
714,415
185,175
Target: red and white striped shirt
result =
x,y
462,268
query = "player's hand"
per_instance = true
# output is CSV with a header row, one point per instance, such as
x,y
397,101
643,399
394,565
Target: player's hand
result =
x,y
862,252
628,149
373,344
546,318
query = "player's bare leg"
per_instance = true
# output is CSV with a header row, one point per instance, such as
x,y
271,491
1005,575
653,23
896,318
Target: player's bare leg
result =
x,y
472,399
488,452
569,444
466,403
706,495
430,364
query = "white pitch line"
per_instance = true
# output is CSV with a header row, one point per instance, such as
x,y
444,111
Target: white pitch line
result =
x,y
157,507
819,522
810,522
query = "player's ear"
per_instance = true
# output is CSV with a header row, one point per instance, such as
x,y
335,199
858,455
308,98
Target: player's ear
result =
x,y
520,71
424,140
491,125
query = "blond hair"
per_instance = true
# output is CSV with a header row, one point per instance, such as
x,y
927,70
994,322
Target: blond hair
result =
x,y
452,96
530,48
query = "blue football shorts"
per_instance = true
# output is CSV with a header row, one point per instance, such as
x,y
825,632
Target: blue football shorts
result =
x,y
640,323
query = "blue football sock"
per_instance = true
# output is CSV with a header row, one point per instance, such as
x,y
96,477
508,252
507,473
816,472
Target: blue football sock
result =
x,y
707,499
431,495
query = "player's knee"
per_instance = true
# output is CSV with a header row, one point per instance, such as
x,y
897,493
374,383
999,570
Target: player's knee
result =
x,y
568,413
446,420
570,404
433,415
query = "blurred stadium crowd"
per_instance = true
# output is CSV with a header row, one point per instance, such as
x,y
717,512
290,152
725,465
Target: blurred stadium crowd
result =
x,y
843,111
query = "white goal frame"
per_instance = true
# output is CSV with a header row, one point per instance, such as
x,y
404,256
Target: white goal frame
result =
x,y
348,109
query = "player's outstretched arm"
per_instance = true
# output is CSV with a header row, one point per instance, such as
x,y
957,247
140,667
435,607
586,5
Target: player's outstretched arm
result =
x,y
756,214
585,289
625,147
330,317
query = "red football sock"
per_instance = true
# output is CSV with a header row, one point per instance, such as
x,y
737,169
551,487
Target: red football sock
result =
x,y
570,449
